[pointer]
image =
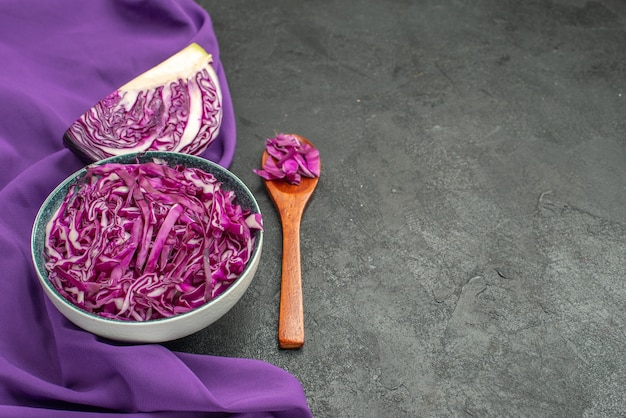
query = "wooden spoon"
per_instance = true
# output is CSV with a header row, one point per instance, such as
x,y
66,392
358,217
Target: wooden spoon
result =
x,y
290,201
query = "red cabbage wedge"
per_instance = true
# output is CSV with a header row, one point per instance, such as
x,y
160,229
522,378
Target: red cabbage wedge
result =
x,y
146,241
174,106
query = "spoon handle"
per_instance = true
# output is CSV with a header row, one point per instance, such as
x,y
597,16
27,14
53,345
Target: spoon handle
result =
x,y
291,316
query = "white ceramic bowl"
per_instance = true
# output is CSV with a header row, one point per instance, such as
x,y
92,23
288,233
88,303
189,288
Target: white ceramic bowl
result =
x,y
157,330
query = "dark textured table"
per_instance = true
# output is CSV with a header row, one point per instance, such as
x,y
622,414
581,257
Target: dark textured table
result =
x,y
465,251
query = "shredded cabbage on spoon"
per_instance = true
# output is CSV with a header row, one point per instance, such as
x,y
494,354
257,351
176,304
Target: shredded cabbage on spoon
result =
x,y
147,241
289,159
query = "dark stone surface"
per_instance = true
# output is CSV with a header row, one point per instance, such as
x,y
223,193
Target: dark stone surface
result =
x,y
465,252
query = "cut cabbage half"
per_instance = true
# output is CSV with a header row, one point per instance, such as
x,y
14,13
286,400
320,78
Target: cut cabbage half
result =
x,y
174,106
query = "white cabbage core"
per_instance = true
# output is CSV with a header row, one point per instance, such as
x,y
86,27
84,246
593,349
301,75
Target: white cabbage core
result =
x,y
181,65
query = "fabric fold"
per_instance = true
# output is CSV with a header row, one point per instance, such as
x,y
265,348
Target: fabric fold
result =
x,y
60,58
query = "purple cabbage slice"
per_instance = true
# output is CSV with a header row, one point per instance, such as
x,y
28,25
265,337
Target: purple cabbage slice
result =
x,y
174,106
147,241
289,159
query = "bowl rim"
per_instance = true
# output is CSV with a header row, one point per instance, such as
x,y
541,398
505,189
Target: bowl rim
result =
x,y
169,157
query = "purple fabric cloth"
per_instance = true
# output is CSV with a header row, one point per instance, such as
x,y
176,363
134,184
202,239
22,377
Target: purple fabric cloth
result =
x,y
57,58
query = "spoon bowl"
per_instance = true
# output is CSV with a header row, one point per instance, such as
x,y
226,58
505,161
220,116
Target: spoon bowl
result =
x,y
290,201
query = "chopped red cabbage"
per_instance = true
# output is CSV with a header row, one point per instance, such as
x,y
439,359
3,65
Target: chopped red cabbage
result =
x,y
147,241
289,159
